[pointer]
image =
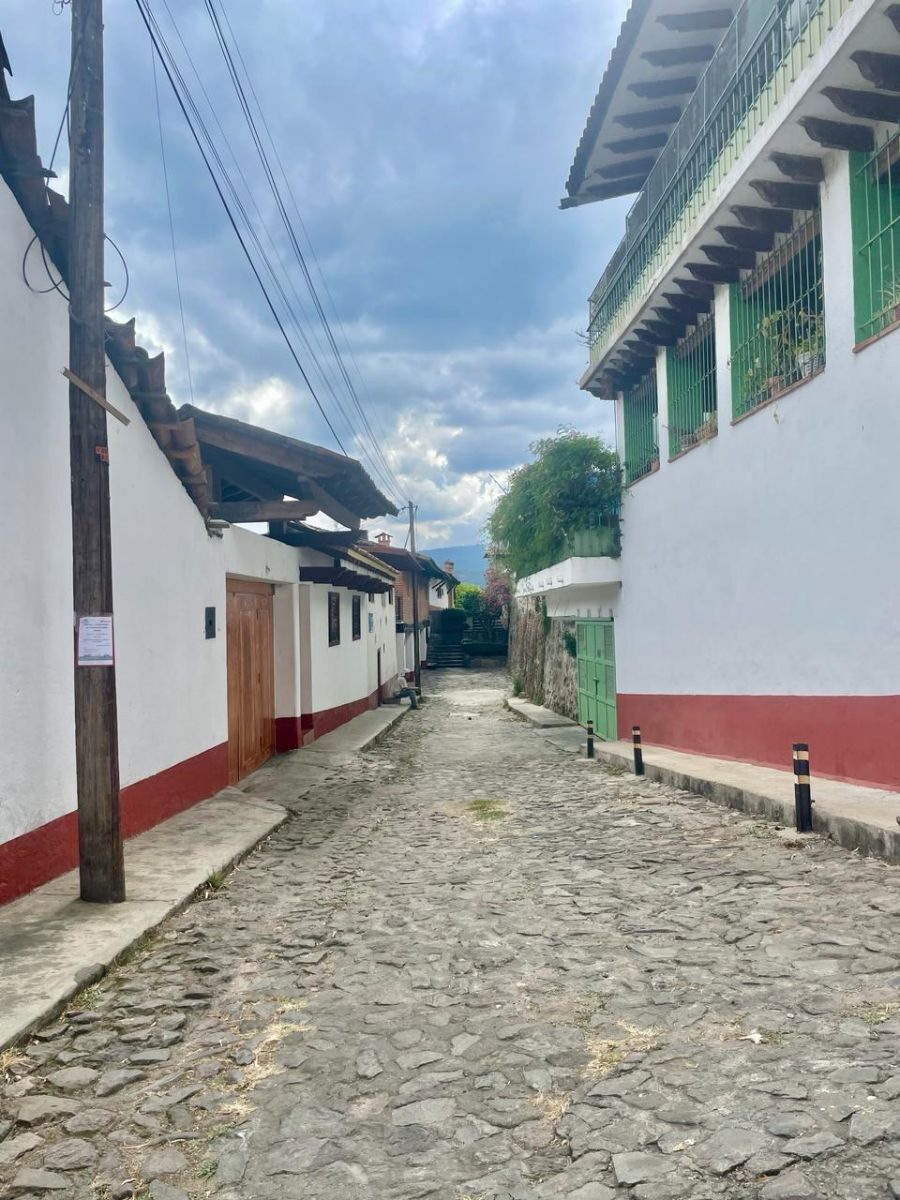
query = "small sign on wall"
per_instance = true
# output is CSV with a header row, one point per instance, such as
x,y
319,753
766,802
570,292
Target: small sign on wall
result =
x,y
95,641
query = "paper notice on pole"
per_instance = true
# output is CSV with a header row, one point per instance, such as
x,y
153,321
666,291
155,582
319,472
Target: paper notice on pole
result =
x,y
95,642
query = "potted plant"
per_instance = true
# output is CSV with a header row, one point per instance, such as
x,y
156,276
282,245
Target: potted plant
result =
x,y
809,349
773,330
890,302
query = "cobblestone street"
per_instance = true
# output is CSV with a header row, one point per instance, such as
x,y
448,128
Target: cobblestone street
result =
x,y
471,967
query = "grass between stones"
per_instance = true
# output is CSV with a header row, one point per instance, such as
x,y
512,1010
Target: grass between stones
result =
x,y
484,808
876,1014
607,1054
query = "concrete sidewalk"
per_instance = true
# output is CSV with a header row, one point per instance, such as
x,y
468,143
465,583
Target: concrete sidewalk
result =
x,y
856,817
52,945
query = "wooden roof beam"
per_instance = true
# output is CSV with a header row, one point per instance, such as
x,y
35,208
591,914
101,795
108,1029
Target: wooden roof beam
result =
x,y
730,256
713,273
760,240
838,135
651,118
630,169
635,145
774,220
870,106
883,70
660,89
262,510
678,56
327,503
803,168
689,305
618,187
696,288
697,22
783,195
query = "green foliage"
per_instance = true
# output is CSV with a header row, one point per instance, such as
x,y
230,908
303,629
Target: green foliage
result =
x,y
546,623
470,598
571,644
574,483
518,686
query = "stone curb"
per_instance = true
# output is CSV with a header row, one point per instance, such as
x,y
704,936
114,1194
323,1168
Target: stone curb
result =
x,y
107,962
869,840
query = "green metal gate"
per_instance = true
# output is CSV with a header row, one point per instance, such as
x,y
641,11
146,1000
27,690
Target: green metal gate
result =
x,y
597,677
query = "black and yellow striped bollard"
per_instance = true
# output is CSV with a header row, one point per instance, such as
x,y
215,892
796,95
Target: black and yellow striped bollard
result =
x,y
802,793
638,750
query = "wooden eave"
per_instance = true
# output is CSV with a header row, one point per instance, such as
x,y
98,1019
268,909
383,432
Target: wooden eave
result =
x,y
662,48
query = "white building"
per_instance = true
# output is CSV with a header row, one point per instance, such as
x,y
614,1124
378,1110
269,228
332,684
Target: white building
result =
x,y
229,645
746,331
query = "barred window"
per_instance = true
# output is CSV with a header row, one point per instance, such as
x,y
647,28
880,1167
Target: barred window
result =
x,y
691,373
334,618
356,618
875,211
778,318
640,407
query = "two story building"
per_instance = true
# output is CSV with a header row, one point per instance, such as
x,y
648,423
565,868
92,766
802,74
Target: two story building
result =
x,y
746,333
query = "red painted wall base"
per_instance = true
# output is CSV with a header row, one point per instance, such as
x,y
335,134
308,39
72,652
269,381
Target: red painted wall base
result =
x,y
851,738
44,853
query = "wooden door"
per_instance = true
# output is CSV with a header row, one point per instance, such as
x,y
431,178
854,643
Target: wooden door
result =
x,y
251,676
597,677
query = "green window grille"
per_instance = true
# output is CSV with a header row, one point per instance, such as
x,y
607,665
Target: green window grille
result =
x,y
875,209
641,428
691,372
778,318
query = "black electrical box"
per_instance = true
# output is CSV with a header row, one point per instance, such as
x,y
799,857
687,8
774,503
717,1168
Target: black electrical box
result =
x,y
210,622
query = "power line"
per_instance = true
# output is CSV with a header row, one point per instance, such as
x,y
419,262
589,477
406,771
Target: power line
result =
x,y
162,154
276,192
183,102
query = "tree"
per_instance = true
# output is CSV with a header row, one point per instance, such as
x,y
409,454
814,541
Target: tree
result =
x,y
497,592
470,598
573,484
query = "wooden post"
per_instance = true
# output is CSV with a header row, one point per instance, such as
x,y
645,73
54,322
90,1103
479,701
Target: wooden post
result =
x,y
96,732
415,595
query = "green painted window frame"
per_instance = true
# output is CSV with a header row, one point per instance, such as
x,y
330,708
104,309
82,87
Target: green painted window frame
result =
x,y
692,388
640,415
778,318
875,223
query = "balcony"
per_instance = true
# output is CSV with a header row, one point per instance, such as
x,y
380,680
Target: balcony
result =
x,y
762,54
592,561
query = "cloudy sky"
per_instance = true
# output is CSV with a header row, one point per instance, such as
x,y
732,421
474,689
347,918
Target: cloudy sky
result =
x,y
427,143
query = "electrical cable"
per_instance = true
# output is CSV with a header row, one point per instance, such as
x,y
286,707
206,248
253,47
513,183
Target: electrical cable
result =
x,y
149,20
162,154
379,462
241,207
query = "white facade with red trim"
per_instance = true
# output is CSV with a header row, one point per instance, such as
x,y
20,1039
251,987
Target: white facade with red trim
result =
x,y
168,569
753,603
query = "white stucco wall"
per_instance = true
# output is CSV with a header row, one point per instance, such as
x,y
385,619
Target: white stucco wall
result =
x,y
766,560
37,752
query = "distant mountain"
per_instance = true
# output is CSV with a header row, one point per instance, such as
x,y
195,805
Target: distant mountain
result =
x,y
469,562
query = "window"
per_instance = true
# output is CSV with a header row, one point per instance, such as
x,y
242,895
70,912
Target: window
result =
x,y
641,428
691,373
440,593
356,617
875,213
778,318
399,608
334,619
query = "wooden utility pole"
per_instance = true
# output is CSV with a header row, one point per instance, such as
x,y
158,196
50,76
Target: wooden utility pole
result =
x,y
96,730
415,595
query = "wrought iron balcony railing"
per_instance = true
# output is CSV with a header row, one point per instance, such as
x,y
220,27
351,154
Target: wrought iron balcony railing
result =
x,y
763,52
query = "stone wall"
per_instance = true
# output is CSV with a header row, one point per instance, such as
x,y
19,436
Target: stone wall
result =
x,y
539,660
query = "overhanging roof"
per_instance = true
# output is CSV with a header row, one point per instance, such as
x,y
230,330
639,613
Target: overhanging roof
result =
x,y
654,68
285,462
